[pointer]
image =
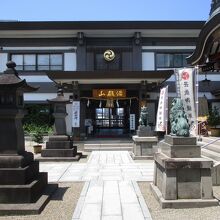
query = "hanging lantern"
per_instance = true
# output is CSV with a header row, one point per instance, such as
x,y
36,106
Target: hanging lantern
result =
x,y
112,103
88,103
109,103
117,103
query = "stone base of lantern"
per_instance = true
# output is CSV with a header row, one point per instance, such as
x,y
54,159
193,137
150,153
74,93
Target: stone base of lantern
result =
x,y
23,189
60,148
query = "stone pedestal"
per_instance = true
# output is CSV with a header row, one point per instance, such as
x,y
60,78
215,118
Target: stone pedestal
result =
x,y
143,147
23,189
60,147
182,178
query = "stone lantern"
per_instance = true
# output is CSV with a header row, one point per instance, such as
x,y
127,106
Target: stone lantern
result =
x,y
21,183
60,145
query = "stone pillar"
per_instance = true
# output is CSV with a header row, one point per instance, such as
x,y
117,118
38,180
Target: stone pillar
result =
x,y
60,145
182,178
21,183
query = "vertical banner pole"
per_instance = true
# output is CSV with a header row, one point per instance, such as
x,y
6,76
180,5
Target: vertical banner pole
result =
x,y
197,98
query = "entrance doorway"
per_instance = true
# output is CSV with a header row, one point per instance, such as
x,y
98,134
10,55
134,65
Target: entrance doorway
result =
x,y
109,121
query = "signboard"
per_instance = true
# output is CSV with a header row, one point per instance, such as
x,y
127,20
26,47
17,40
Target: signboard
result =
x,y
186,77
132,122
109,93
76,114
161,124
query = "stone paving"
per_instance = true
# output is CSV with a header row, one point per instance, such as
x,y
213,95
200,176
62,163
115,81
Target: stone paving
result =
x,y
111,191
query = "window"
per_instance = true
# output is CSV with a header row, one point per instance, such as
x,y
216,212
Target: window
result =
x,y
38,62
166,60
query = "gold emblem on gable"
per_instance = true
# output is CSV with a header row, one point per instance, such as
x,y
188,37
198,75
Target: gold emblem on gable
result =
x,y
109,55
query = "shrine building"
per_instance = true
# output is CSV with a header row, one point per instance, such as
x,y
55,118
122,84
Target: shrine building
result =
x,y
108,69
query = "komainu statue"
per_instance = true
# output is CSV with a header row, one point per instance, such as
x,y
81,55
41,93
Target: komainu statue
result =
x,y
143,120
178,120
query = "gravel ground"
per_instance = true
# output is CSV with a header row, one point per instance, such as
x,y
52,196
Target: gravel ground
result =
x,y
210,213
61,205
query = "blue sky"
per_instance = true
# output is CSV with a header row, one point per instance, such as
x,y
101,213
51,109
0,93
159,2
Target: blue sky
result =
x,y
92,10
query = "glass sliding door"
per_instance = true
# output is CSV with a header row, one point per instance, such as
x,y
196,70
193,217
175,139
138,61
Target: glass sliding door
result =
x,y
109,117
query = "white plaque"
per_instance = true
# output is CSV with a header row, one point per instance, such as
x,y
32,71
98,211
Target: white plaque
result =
x,y
76,114
132,122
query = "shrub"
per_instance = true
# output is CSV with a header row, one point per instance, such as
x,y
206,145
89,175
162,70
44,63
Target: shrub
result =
x,y
214,117
37,132
38,136
33,128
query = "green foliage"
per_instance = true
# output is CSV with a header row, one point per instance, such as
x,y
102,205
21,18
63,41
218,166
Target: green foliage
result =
x,y
38,115
33,128
38,136
38,122
37,132
214,117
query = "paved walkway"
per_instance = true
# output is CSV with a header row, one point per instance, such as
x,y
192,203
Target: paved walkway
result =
x,y
110,191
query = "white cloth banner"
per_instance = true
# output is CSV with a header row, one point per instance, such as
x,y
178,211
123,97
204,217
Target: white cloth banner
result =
x,y
176,72
76,114
161,124
186,79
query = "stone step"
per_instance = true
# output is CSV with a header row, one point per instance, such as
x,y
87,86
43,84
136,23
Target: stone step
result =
x,y
209,139
107,147
211,154
214,148
110,145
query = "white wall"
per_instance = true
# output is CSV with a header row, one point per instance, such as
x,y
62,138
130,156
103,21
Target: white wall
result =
x,y
39,96
32,78
70,61
39,48
212,77
42,96
148,61
3,61
168,47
